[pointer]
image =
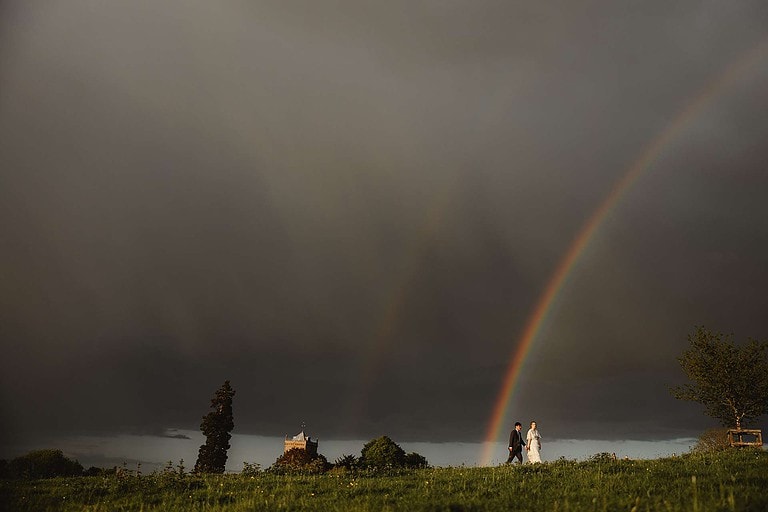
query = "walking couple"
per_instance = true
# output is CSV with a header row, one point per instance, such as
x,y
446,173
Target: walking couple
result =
x,y
532,444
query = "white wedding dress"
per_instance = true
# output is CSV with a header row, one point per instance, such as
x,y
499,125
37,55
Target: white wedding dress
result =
x,y
533,442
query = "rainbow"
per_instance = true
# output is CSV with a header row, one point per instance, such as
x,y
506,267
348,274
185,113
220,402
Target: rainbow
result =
x,y
560,276
397,297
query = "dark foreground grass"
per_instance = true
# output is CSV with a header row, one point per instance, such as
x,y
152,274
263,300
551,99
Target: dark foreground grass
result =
x,y
727,481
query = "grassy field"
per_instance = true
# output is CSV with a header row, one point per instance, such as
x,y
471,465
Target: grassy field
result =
x,y
734,480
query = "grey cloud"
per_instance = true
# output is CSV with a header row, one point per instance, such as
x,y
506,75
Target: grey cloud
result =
x,y
361,199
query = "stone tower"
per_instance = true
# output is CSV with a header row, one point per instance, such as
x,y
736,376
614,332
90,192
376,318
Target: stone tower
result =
x,y
301,441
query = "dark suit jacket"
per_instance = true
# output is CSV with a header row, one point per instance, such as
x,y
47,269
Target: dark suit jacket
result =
x,y
516,440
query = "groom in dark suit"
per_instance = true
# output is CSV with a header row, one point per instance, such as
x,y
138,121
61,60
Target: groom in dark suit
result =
x,y
516,444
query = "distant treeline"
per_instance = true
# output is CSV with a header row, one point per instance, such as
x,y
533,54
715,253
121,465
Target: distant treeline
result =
x,y
42,464
377,454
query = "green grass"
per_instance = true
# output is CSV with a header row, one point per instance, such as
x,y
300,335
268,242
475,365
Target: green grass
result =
x,y
725,481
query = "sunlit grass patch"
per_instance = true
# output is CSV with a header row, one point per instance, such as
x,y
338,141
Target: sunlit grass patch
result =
x,y
727,481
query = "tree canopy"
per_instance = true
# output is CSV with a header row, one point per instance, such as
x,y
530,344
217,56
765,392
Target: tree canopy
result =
x,y
730,381
383,452
41,464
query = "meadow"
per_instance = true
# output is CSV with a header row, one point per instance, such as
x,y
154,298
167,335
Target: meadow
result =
x,y
722,481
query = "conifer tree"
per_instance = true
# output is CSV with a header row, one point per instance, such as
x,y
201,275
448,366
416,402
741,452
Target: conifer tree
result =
x,y
216,427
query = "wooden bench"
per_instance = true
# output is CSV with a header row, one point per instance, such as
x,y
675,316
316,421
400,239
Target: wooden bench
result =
x,y
736,437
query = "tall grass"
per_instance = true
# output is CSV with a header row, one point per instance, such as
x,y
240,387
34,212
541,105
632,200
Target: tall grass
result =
x,y
725,481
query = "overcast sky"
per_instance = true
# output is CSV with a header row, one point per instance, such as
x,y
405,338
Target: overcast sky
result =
x,y
349,209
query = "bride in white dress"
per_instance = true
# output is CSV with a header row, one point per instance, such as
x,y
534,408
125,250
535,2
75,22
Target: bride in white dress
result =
x,y
533,444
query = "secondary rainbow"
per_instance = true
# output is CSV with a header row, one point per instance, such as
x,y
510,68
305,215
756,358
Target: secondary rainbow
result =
x,y
369,366
560,276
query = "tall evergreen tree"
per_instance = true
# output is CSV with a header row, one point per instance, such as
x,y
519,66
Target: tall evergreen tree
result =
x,y
216,428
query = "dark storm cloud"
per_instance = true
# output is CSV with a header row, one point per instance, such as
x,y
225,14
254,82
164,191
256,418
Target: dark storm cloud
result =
x,y
257,191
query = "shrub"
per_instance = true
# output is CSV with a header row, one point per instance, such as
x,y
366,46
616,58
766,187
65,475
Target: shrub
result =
x,y
416,461
297,460
712,440
348,462
602,457
250,469
95,471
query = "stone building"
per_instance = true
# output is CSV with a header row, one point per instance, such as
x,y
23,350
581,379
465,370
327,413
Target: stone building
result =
x,y
301,441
